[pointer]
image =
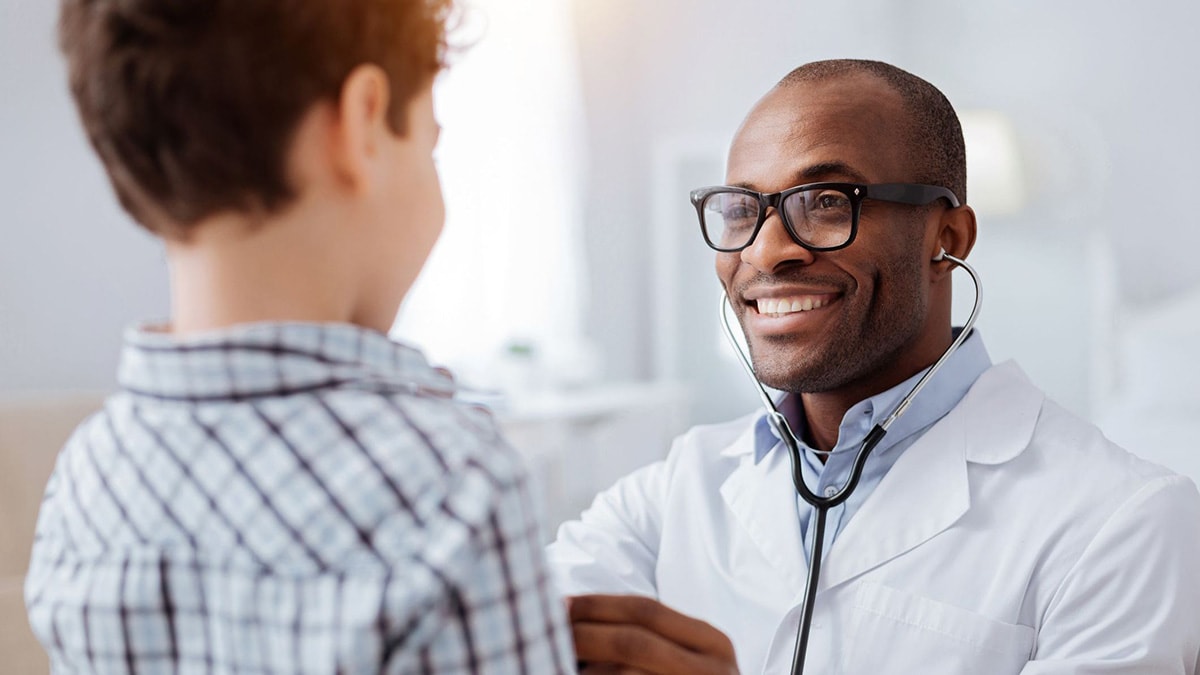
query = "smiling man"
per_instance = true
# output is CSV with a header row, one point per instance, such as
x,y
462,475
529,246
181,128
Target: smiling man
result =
x,y
991,531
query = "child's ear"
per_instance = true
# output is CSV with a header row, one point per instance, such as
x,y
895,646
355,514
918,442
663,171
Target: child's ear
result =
x,y
361,126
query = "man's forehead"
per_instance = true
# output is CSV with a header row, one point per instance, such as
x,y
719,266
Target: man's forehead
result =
x,y
852,123
848,103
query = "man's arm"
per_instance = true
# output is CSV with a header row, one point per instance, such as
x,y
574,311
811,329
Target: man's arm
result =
x,y
613,547
1131,604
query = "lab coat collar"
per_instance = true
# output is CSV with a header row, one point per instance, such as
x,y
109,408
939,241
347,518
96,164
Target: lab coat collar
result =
x,y
996,439
928,490
962,369
747,440
761,497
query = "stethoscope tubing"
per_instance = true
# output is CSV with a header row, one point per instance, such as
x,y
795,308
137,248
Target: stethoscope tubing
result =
x,y
822,504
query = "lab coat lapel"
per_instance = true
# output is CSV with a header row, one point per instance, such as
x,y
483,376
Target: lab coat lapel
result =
x,y
761,497
923,494
927,490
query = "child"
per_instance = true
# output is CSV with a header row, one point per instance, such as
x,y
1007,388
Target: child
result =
x,y
277,487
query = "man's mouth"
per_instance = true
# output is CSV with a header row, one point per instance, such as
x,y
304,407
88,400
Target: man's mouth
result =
x,y
786,312
792,305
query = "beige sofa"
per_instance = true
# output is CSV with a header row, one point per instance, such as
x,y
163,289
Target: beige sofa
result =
x,y
31,432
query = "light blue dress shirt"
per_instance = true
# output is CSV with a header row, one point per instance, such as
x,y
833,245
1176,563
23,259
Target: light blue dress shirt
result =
x,y
940,395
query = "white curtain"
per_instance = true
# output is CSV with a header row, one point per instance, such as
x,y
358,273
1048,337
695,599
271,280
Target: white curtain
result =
x,y
508,270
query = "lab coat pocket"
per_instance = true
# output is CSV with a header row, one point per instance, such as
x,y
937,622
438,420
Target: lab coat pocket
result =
x,y
897,632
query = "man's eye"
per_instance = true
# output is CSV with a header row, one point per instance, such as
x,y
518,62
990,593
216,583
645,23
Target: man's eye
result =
x,y
831,200
738,213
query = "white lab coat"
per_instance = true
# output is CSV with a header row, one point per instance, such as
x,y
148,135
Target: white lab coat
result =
x,y
1011,538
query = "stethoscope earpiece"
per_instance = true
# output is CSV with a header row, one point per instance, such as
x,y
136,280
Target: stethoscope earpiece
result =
x,y
941,255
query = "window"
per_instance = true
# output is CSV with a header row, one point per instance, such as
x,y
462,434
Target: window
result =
x,y
508,272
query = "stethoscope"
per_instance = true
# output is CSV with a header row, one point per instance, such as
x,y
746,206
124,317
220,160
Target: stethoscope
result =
x,y
822,504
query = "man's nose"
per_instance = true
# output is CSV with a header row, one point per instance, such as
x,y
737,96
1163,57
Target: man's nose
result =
x,y
774,247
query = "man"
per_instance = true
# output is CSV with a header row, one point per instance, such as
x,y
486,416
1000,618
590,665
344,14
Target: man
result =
x,y
991,532
278,487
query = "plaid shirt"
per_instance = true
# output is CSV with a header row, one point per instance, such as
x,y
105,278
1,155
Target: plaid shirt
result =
x,y
290,498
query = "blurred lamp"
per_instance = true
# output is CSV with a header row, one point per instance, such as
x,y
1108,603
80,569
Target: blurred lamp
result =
x,y
995,181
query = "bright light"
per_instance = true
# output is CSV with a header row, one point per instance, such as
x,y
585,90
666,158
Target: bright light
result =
x,y
995,181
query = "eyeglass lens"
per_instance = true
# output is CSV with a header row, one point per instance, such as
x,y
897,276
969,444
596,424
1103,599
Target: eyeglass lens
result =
x,y
819,217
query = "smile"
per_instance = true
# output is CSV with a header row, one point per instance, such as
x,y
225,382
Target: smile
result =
x,y
792,305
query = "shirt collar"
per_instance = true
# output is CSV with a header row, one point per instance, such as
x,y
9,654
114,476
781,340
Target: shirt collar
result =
x,y
940,395
270,359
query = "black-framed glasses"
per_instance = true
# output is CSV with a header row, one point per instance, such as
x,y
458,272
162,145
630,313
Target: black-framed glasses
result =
x,y
818,216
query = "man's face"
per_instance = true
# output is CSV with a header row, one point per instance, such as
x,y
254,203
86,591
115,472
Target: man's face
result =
x,y
867,303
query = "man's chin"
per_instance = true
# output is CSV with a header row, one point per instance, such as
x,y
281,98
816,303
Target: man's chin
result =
x,y
797,376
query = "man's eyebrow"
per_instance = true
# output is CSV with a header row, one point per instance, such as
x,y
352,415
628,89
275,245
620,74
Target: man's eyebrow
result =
x,y
825,169
819,172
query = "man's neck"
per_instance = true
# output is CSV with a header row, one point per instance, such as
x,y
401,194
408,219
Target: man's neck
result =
x,y
824,411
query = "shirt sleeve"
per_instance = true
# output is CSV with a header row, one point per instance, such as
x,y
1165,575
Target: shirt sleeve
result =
x,y
1130,603
496,609
613,547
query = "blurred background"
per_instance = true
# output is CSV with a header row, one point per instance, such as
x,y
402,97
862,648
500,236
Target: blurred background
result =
x,y
571,287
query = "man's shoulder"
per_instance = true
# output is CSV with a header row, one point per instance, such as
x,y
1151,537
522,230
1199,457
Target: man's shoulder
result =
x,y
1066,458
1074,447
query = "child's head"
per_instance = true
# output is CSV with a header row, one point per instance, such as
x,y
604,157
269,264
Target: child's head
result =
x,y
220,120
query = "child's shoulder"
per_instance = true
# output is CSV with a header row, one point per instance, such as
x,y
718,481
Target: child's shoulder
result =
x,y
440,474
328,464
431,432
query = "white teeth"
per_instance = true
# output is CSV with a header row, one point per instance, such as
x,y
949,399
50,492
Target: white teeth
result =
x,y
788,305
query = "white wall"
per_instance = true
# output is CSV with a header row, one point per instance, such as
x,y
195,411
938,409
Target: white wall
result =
x,y
73,269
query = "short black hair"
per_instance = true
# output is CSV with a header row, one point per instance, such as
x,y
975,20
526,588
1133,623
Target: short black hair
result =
x,y
935,137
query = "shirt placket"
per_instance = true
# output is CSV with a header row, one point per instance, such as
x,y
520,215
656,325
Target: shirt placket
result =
x,y
833,476
822,478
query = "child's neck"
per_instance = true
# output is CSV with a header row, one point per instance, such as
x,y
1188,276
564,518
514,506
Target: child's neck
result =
x,y
234,270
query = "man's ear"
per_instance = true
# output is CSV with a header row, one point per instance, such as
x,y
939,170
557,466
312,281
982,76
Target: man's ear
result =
x,y
955,235
362,126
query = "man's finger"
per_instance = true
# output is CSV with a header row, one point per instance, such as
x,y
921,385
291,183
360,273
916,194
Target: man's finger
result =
x,y
636,649
654,616
611,669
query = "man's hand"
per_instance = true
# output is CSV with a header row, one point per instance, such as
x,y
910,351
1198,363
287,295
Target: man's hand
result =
x,y
632,634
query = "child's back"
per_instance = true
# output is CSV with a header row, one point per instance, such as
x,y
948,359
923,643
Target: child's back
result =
x,y
278,487
289,498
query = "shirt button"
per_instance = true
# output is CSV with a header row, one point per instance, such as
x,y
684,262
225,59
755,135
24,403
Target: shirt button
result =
x,y
830,490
